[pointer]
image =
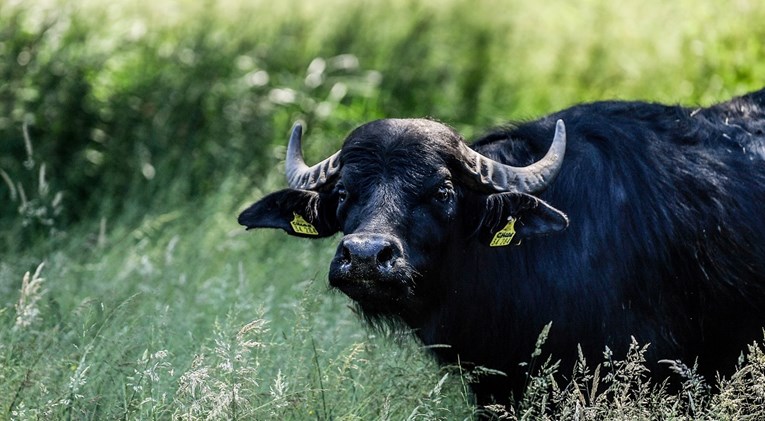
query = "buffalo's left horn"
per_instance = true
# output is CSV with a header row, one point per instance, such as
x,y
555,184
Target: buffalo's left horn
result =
x,y
506,178
299,175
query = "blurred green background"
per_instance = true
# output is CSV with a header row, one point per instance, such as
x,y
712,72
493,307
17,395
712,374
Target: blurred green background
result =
x,y
160,102
133,132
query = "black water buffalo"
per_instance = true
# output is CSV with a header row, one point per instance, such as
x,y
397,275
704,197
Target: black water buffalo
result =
x,y
631,219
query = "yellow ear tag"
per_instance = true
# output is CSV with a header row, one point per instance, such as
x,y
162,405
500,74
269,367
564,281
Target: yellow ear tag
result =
x,y
301,226
504,236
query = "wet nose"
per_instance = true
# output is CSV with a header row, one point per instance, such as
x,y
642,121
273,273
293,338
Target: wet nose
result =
x,y
369,251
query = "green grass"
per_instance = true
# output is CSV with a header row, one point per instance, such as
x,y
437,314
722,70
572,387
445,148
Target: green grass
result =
x,y
132,134
176,316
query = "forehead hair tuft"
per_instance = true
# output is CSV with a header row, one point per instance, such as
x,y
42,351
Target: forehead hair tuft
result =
x,y
417,143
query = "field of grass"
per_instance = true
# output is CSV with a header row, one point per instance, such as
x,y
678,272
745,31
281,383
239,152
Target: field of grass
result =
x,y
132,134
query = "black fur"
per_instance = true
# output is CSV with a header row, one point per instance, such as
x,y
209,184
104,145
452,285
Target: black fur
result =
x,y
665,239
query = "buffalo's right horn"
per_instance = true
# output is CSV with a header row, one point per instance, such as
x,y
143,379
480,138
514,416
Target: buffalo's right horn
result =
x,y
299,175
533,178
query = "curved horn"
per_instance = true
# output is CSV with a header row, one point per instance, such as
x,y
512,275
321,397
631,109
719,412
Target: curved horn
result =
x,y
529,179
299,175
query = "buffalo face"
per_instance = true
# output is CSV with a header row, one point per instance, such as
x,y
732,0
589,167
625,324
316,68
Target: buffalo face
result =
x,y
404,192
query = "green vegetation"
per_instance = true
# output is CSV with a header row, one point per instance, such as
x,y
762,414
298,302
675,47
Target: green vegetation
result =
x,y
132,133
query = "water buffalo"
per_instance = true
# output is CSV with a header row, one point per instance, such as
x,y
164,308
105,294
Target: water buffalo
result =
x,y
610,219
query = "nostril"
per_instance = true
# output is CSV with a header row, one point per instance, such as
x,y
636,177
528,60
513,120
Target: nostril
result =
x,y
346,253
385,256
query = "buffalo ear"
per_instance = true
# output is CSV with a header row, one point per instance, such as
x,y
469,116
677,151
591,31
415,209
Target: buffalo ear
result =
x,y
302,213
510,217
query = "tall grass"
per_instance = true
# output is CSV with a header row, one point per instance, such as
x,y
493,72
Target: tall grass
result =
x,y
132,133
143,327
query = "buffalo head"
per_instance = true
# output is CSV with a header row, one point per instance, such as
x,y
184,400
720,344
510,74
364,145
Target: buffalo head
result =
x,y
406,194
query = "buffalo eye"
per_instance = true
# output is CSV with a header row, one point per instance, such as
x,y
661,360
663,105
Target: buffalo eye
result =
x,y
444,192
342,194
